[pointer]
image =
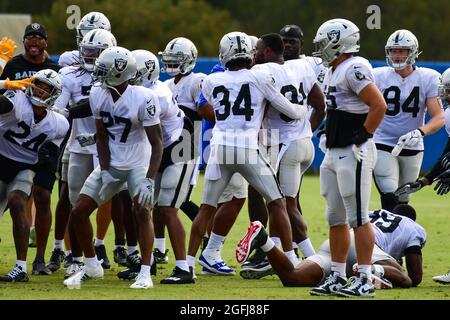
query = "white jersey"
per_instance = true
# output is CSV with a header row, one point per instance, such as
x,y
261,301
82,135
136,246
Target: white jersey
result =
x,y
395,233
187,90
344,83
294,79
447,121
239,99
406,101
125,120
171,117
76,86
69,58
21,137
317,66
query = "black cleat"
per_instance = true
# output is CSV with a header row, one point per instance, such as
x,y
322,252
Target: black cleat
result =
x,y
179,276
100,251
257,266
331,287
159,257
68,260
75,267
133,262
56,259
120,256
16,275
39,267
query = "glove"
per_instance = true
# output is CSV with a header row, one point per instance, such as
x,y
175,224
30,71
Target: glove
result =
x,y
16,84
361,136
62,111
146,193
409,187
359,152
7,49
86,139
107,181
411,139
443,183
445,161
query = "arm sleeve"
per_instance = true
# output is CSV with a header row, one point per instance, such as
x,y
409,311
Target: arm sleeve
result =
x,y
359,76
5,105
437,167
81,110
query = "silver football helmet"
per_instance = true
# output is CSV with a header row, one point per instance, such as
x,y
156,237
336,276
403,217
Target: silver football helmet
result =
x,y
334,38
402,39
114,66
93,43
233,46
444,87
92,20
147,68
179,56
47,88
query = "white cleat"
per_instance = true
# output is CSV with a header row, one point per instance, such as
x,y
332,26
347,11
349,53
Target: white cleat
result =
x,y
381,283
143,281
443,278
74,281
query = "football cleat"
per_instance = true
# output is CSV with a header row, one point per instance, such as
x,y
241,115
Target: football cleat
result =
x,y
73,268
255,237
381,282
74,281
15,275
100,251
179,276
332,285
120,256
360,286
444,278
39,267
215,264
160,257
68,260
56,259
143,281
257,266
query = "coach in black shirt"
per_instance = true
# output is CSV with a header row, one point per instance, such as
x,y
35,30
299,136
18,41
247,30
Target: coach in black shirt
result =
x,y
19,67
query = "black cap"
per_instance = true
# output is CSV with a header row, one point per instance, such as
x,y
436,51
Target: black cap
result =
x,y
35,28
291,31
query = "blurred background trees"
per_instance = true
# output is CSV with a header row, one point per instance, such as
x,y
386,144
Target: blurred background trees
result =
x,y
151,24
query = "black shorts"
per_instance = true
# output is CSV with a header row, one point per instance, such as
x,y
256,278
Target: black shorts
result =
x,y
10,168
44,178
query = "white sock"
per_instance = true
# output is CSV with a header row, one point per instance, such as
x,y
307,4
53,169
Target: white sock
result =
x,y
92,262
276,241
306,248
182,264
59,244
22,264
77,259
190,261
366,269
160,244
294,245
266,247
145,270
215,242
99,242
292,257
339,267
132,249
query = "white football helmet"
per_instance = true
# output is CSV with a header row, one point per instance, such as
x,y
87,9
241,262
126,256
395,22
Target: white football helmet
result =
x,y
334,38
147,68
114,66
444,87
93,43
47,88
179,56
233,46
402,39
253,41
92,20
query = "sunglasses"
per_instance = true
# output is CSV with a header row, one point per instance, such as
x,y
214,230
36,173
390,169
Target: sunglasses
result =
x,y
34,36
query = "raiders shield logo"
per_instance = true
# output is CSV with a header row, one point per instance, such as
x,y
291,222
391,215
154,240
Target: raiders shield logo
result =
x,y
360,76
151,109
334,36
120,64
150,65
35,26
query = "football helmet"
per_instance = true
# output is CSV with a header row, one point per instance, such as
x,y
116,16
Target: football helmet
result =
x,y
233,46
334,38
444,87
92,20
179,56
47,86
402,39
114,66
253,41
147,68
93,43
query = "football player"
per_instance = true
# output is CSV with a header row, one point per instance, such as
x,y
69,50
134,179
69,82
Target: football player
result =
x,y
129,146
26,123
397,235
409,92
355,108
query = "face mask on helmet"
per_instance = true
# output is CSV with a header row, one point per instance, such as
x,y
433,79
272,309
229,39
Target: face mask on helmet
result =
x,y
173,63
178,57
399,58
88,55
402,49
42,94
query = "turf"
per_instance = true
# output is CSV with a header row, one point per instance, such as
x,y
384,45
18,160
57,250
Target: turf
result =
x,y
433,215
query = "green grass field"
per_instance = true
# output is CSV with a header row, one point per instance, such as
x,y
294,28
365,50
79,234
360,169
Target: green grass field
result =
x,y
433,214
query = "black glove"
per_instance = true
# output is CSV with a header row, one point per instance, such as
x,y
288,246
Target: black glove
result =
x,y
443,183
445,161
361,136
409,187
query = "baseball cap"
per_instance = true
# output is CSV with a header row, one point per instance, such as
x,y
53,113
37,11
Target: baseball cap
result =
x,y
36,28
291,31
